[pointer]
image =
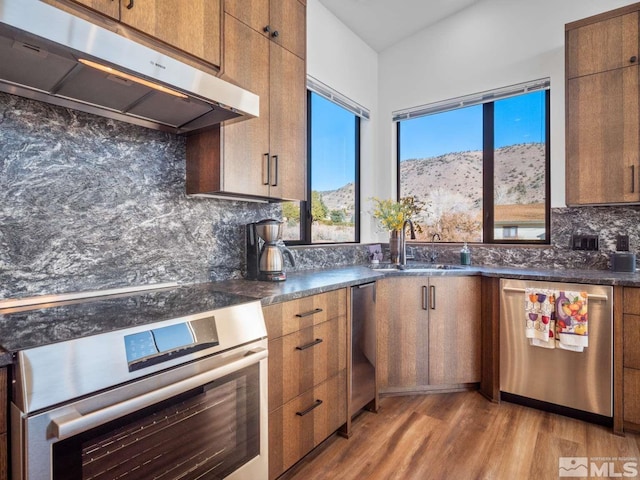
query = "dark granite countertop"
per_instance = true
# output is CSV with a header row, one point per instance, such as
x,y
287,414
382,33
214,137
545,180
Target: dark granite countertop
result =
x,y
22,328
310,282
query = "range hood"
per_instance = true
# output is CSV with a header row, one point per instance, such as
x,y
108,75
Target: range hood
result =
x,y
50,55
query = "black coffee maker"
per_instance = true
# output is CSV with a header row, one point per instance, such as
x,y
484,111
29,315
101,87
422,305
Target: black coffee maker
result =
x,y
265,259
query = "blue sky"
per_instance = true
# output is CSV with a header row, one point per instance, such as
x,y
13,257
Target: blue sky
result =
x,y
518,120
332,145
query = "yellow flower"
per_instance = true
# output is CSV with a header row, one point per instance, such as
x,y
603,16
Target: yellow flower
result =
x,y
392,215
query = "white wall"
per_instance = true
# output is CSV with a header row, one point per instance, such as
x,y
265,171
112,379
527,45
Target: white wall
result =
x,y
341,60
492,44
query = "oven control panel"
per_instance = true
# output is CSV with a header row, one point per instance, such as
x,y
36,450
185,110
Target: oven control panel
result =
x,y
156,345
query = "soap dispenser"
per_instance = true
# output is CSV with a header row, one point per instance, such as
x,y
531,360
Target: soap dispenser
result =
x,y
465,255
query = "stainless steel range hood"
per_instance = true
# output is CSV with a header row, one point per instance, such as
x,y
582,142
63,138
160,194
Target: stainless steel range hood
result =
x,y
42,50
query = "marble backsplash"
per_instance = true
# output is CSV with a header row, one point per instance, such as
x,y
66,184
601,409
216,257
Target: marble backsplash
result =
x,y
606,222
88,203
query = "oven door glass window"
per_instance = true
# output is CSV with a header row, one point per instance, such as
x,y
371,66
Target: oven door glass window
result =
x,y
208,432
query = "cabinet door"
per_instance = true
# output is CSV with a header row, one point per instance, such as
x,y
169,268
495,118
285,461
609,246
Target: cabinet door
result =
x,y
288,18
288,145
403,334
254,13
602,46
454,330
602,159
245,144
110,8
192,26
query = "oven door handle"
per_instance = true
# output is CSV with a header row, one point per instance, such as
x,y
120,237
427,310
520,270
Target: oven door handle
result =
x,y
74,422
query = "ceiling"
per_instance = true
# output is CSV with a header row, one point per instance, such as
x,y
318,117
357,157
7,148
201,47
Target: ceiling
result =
x,y
382,23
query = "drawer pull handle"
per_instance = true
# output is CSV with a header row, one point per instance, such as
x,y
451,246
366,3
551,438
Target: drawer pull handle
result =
x,y
311,312
315,405
309,345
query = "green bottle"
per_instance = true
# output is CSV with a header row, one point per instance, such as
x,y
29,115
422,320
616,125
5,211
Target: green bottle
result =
x,y
465,255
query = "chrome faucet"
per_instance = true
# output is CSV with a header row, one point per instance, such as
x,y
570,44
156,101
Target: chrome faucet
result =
x,y
433,255
403,243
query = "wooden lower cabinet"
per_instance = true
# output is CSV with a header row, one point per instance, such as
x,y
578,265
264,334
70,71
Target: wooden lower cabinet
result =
x,y
307,375
632,399
631,359
304,422
4,458
428,333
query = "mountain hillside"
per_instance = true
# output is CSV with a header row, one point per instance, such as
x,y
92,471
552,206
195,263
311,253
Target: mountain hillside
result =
x,y
455,179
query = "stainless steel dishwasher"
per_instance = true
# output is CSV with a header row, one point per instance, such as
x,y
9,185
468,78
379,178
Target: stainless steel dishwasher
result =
x,y
562,381
363,348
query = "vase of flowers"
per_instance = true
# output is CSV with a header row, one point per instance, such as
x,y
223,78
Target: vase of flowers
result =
x,y
391,215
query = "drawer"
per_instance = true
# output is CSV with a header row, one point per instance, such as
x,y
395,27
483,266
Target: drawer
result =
x,y
631,300
304,422
631,339
288,317
300,360
631,396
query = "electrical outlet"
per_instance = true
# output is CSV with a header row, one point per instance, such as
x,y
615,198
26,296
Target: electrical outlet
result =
x,y
622,243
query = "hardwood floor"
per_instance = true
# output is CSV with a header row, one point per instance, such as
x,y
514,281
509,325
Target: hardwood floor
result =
x,y
462,436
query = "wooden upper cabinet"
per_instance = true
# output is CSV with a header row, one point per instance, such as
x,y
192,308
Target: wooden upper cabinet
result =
x,y
284,21
253,13
262,157
110,8
602,46
245,144
602,138
602,109
289,125
287,24
192,26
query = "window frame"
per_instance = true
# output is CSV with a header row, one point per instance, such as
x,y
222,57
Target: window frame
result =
x,y
488,220
306,220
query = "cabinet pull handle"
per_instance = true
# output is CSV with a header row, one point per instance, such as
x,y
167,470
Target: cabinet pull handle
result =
x,y
275,171
432,297
130,5
316,404
275,34
424,297
267,29
266,169
633,59
309,345
633,179
309,313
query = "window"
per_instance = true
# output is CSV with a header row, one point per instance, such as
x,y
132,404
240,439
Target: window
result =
x,y
330,213
481,166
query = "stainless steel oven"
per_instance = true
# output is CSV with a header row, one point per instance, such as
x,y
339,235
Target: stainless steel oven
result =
x,y
179,399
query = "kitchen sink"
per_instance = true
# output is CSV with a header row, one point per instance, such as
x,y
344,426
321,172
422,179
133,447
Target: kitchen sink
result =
x,y
416,268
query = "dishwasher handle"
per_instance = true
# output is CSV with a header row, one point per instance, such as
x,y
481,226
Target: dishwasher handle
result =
x,y
522,290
